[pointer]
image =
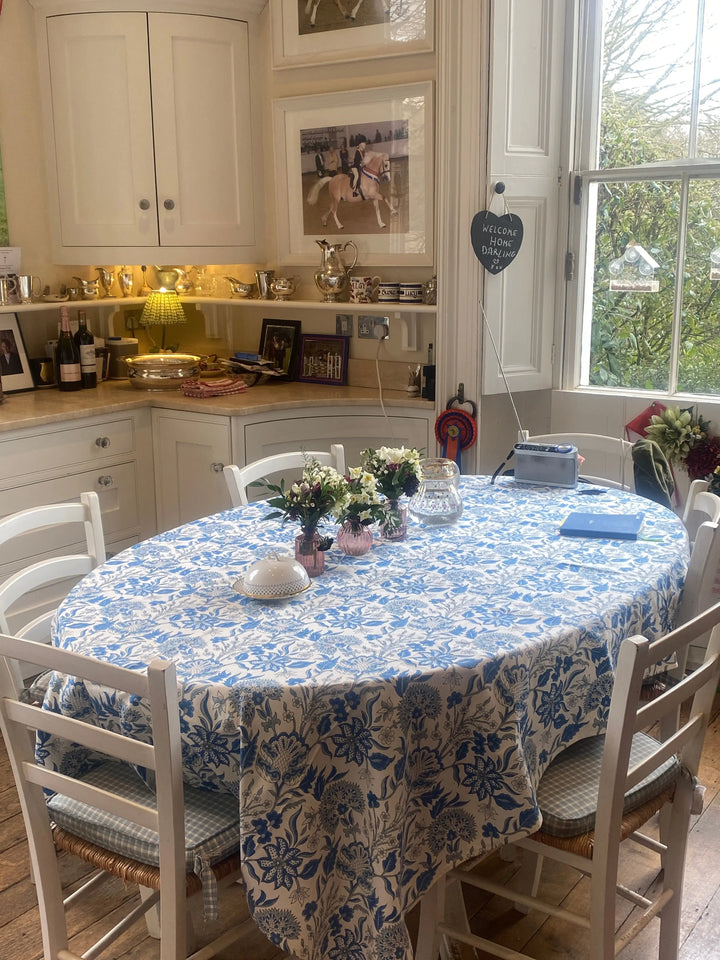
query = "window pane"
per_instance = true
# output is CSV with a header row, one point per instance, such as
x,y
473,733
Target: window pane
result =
x,y
647,73
633,284
699,370
709,111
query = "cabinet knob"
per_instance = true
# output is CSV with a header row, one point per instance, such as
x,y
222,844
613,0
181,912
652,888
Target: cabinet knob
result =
x,y
144,204
102,442
169,204
217,467
105,481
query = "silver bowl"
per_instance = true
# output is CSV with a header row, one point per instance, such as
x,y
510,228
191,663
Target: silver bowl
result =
x,y
162,371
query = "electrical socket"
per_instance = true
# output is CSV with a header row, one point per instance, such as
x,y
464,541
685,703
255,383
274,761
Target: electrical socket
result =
x,y
373,328
132,319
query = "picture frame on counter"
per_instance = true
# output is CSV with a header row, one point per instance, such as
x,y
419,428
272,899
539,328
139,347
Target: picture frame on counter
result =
x,y
391,217
280,342
308,32
323,359
15,372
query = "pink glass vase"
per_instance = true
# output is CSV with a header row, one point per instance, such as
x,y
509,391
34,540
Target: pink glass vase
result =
x,y
395,526
308,554
354,540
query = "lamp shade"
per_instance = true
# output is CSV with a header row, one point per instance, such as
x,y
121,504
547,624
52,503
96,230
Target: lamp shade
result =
x,y
162,307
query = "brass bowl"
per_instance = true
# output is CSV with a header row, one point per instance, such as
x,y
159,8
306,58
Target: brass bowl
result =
x,y
162,371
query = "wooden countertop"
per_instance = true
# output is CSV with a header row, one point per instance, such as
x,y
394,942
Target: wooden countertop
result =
x,y
37,407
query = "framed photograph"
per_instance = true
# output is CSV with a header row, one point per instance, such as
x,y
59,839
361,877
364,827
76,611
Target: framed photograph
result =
x,y
14,366
279,342
357,164
331,31
323,359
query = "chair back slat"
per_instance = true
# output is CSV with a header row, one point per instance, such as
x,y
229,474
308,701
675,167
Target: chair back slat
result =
x,y
239,478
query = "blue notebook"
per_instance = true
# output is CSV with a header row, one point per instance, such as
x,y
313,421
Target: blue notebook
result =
x,y
613,526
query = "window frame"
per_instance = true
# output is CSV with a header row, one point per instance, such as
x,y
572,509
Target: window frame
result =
x,y
585,99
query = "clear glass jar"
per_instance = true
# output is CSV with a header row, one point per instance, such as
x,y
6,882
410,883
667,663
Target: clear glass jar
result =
x,y
437,502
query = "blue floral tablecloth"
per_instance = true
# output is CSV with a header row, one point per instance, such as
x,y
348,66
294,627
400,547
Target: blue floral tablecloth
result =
x,y
394,719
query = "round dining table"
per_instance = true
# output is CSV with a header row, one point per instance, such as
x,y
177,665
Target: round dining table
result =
x,y
392,720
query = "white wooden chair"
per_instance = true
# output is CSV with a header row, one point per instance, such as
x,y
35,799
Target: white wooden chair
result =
x,y
156,833
701,505
239,478
701,589
585,828
16,611
608,460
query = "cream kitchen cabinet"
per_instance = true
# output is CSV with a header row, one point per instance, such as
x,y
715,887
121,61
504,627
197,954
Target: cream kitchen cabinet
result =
x,y
150,136
362,426
190,452
111,455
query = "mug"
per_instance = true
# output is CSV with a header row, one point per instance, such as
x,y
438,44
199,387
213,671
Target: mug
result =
x,y
388,292
29,288
410,293
363,289
8,290
74,293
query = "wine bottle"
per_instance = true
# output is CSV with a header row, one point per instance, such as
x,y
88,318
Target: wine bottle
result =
x,y
68,356
86,345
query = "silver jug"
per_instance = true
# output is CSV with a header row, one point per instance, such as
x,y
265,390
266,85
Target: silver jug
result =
x,y
333,275
263,278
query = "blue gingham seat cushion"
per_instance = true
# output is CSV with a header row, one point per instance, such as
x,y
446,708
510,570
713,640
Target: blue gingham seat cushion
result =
x,y
212,825
568,791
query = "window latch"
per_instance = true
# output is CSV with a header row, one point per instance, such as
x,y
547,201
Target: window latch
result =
x,y
569,265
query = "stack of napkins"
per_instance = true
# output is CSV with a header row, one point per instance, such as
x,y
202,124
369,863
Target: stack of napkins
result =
x,y
213,388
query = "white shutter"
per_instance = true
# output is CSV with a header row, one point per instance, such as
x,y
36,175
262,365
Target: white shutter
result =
x,y
524,154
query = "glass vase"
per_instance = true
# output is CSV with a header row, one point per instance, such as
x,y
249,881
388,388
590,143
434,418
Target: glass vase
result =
x,y
308,554
354,540
395,526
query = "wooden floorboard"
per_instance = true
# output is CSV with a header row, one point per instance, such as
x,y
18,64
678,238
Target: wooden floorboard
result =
x,y
543,939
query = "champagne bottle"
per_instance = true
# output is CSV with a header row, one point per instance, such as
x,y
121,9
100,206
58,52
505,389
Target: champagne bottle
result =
x,y
68,356
86,345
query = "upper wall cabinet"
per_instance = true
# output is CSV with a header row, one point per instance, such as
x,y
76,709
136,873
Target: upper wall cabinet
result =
x,y
150,137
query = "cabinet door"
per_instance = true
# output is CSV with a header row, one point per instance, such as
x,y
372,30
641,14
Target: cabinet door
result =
x,y
102,126
189,452
201,114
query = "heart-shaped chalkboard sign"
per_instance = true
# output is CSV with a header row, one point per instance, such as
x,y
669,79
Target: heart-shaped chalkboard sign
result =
x,y
496,240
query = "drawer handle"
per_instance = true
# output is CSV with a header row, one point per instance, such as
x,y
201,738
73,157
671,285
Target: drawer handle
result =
x,y
102,442
217,467
144,204
169,204
106,481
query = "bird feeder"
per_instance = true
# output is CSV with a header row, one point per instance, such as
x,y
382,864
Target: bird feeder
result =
x,y
634,271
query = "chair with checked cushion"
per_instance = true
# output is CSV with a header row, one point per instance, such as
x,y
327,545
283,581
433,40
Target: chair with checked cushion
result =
x,y
239,478
171,841
598,793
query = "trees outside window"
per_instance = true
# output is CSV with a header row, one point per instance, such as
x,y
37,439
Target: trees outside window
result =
x,y
648,198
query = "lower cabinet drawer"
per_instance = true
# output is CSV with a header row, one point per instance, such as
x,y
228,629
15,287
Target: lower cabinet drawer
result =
x,y
66,447
115,486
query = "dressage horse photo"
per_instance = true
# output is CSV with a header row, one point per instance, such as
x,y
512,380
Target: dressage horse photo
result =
x,y
311,8
375,171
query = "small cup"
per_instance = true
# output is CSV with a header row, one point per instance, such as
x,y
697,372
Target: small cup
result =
x,y
74,293
363,289
388,292
410,293
29,288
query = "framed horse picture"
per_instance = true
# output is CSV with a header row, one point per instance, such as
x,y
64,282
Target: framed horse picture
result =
x,y
359,162
322,31
323,359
